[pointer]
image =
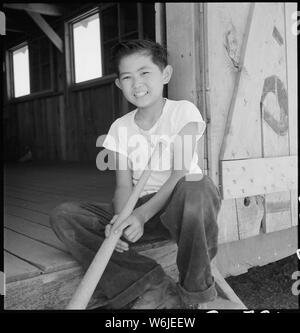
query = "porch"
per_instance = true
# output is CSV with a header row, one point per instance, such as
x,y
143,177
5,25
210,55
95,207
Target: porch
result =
x,y
40,273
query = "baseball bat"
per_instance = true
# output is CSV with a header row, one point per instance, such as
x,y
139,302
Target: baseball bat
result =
x,y
88,284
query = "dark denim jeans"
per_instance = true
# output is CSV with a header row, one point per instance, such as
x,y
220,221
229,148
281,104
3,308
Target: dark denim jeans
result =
x,y
189,218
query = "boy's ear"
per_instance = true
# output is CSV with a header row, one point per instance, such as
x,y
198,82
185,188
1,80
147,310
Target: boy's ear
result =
x,y
167,73
117,83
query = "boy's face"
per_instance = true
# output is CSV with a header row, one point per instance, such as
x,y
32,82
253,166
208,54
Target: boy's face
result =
x,y
141,80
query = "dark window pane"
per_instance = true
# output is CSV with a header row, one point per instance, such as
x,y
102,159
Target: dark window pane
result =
x,y
149,20
129,19
110,23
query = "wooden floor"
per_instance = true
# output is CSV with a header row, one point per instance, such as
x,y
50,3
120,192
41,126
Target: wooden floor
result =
x,y
31,191
40,274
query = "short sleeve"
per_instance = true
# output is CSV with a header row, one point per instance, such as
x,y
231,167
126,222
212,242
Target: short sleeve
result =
x,y
187,113
115,139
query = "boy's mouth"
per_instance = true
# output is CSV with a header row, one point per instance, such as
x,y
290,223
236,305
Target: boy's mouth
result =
x,y
140,94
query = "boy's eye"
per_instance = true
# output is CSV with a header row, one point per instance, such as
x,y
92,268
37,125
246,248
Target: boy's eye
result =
x,y
144,73
125,77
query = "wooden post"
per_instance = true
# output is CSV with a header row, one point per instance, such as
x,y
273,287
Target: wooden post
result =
x,y
183,43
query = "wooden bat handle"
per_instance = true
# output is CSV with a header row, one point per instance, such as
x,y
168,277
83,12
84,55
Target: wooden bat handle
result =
x,y
94,273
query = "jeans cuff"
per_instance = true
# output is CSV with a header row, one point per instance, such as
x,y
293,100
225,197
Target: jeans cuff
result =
x,y
195,297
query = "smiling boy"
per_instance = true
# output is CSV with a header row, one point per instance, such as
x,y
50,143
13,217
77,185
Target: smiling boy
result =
x,y
178,203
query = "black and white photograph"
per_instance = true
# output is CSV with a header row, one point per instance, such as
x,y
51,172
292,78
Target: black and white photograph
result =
x,y
150,159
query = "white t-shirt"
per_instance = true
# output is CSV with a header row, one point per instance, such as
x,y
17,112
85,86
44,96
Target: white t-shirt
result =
x,y
127,138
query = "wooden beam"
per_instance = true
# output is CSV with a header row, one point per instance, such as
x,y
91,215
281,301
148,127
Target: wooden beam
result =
x,y
237,82
223,288
41,8
248,177
236,258
47,29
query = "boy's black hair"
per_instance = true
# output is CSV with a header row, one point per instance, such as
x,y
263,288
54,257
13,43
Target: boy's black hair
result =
x,y
158,53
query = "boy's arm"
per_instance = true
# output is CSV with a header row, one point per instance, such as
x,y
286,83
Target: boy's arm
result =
x,y
156,203
124,185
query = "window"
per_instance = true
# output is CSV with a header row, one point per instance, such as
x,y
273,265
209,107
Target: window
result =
x,y
31,67
94,35
20,60
123,21
87,49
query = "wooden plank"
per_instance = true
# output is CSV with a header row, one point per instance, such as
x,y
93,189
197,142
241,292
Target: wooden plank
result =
x,y
55,194
35,231
227,222
274,109
292,82
37,196
62,188
277,212
41,208
250,212
46,258
16,269
41,8
235,258
292,74
242,138
294,208
27,214
239,78
62,129
180,36
221,19
49,112
248,177
46,291
160,23
47,29
223,287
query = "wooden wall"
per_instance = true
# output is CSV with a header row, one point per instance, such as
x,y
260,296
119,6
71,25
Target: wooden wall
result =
x,y
246,61
222,57
63,123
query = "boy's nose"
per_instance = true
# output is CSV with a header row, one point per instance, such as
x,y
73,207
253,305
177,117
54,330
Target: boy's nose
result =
x,y
137,82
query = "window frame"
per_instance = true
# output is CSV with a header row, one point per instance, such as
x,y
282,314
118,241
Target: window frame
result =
x,y
69,44
69,47
10,75
10,68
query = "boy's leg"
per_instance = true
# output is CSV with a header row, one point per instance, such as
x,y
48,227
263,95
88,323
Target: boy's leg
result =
x,y
191,218
81,227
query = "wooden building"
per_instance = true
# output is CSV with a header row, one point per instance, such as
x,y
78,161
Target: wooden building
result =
x,y
236,61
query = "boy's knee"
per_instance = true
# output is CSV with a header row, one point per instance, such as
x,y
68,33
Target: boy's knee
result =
x,y
62,211
192,186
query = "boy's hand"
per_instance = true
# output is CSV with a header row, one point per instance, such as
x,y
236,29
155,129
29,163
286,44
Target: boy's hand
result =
x,y
121,245
134,227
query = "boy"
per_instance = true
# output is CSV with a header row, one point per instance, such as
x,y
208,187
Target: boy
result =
x,y
178,202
